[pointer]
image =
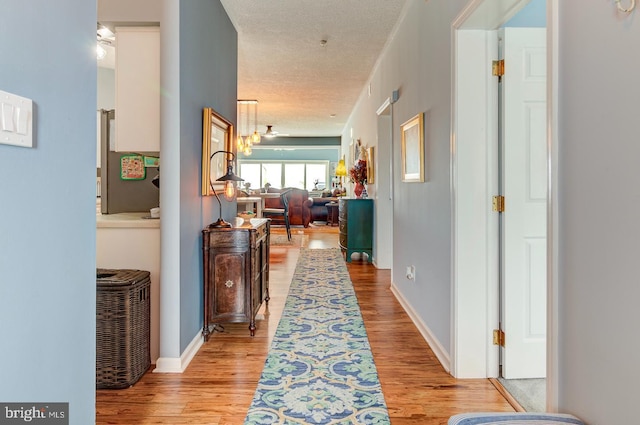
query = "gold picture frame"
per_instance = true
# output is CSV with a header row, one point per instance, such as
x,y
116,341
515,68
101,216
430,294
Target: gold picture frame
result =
x,y
371,174
412,133
217,134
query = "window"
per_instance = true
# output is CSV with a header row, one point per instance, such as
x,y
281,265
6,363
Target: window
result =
x,y
272,174
279,174
251,175
316,177
294,175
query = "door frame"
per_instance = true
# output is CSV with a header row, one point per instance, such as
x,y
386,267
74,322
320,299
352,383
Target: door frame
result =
x,y
474,236
383,233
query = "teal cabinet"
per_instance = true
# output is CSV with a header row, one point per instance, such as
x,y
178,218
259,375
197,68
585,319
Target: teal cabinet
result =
x,y
356,226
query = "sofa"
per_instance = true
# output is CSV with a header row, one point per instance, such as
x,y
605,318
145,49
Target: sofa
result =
x,y
319,209
299,206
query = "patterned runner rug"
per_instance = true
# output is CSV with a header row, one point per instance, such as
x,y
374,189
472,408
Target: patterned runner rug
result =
x,y
319,369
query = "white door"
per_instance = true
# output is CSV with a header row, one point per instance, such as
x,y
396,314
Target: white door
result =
x,y
524,185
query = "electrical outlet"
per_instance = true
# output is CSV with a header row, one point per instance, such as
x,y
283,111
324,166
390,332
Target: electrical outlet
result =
x,y
411,273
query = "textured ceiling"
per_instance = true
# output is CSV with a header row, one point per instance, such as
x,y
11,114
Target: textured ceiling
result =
x,y
299,82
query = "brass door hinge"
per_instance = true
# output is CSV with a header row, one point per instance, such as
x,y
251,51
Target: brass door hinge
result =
x,y
498,337
497,68
498,203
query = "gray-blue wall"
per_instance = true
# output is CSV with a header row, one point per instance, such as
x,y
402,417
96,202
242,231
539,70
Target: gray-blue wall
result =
x,y
47,208
417,63
598,153
293,154
286,148
208,77
599,100
296,149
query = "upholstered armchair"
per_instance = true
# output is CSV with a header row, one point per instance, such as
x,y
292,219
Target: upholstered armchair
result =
x,y
299,206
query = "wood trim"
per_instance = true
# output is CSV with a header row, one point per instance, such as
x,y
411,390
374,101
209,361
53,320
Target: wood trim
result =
x,y
424,330
178,365
502,390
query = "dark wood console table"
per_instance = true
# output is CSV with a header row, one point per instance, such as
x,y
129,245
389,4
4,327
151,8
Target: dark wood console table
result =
x,y
236,273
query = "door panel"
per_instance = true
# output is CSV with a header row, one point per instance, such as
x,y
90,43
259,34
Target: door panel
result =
x,y
524,174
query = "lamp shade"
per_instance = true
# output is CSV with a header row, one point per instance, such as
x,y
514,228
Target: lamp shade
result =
x,y
229,187
229,179
341,168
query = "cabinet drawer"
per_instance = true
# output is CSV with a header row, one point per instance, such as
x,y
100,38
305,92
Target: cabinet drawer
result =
x,y
228,239
343,239
261,233
342,212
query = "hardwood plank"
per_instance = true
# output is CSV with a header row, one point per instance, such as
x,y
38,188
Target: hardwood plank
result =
x,y
218,385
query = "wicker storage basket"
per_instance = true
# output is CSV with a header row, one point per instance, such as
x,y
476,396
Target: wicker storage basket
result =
x,y
122,327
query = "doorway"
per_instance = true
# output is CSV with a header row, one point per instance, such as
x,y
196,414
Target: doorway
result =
x,y
523,182
522,226
383,164
475,179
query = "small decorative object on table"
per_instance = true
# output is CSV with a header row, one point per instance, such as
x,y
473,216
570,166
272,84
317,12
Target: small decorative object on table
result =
x,y
247,216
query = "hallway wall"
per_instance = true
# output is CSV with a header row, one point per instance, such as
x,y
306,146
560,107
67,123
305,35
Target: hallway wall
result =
x,y
598,250
208,78
47,208
417,63
597,161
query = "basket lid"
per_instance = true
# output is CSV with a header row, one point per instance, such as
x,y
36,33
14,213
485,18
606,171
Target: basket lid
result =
x,y
120,277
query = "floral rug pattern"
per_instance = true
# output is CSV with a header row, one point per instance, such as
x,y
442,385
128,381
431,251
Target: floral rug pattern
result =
x,y
319,369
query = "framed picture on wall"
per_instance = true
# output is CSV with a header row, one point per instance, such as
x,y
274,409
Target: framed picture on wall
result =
x,y
355,151
371,174
412,133
216,136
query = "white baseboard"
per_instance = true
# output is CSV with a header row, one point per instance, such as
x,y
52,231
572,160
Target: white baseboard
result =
x,y
179,364
424,330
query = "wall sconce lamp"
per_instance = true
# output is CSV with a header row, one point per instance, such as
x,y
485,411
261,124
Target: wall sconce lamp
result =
x,y
229,180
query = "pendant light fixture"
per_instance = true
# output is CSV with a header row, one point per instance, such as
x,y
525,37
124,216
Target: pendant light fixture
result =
x,y
247,126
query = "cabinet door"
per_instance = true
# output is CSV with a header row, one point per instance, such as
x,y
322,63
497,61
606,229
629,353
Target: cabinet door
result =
x,y
342,222
256,273
360,224
137,89
229,288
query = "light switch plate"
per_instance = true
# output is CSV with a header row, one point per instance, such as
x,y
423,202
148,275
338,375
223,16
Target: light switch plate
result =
x,y
16,120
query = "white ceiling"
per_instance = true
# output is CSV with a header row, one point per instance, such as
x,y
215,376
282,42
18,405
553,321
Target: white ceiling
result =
x,y
305,87
298,82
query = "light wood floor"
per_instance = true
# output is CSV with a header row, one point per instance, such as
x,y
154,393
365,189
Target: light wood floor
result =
x,y
218,385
